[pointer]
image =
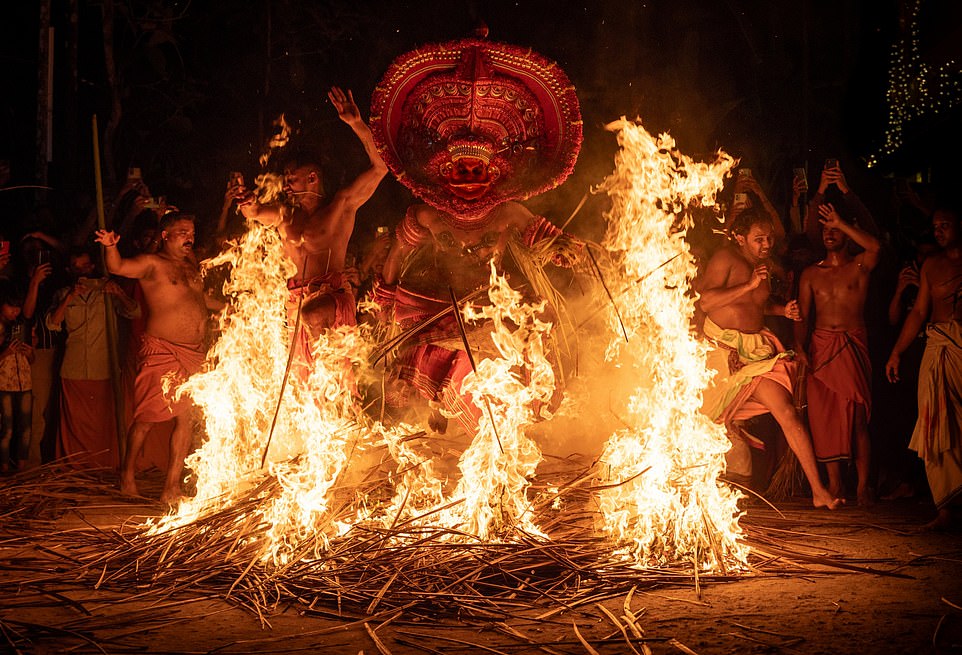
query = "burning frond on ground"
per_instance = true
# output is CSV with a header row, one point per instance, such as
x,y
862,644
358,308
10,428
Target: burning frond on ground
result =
x,y
663,501
509,388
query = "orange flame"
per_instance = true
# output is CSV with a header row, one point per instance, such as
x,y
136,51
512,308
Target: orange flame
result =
x,y
316,426
278,140
665,502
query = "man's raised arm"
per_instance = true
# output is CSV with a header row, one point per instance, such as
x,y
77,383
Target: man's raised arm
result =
x,y
362,188
136,267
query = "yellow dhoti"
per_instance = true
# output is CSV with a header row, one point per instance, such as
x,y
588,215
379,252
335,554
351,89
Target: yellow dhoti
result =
x,y
741,360
938,432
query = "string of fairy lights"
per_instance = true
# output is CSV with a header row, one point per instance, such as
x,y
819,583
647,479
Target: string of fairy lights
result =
x,y
916,89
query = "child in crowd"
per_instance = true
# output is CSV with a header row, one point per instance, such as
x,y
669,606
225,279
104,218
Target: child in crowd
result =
x,y
16,354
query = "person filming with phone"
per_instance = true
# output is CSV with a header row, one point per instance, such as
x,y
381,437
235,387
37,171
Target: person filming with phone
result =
x,y
833,187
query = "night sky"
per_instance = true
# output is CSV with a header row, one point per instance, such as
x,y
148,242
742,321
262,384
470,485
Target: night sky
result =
x,y
778,84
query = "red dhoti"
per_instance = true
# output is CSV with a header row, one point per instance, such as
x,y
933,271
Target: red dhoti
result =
x,y
159,360
88,422
332,288
838,385
436,371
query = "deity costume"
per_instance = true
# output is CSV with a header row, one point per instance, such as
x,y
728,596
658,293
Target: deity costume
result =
x,y
160,359
468,126
741,360
938,433
838,383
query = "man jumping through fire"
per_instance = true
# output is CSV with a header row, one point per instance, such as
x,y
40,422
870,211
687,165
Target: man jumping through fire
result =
x,y
470,127
173,342
753,372
316,232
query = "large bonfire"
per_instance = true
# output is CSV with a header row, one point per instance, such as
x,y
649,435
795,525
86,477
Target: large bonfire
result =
x,y
664,501
268,417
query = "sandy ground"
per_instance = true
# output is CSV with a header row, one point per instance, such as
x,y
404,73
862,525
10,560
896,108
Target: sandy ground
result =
x,y
909,602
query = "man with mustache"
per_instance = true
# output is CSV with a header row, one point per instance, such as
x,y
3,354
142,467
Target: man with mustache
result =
x,y
173,342
754,373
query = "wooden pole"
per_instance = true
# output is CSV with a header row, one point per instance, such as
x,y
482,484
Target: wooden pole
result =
x,y
113,356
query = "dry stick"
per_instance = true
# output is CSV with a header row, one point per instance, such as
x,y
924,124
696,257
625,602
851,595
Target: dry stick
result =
x,y
584,643
767,632
377,642
950,604
467,347
53,629
507,629
601,278
452,640
682,647
287,371
618,624
5,631
393,343
581,204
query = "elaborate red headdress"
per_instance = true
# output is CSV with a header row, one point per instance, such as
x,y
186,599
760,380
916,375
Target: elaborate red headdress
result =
x,y
508,112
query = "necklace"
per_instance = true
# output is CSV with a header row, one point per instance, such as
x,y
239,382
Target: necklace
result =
x,y
467,224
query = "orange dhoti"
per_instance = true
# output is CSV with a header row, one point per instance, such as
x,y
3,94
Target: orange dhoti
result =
x,y
838,385
161,361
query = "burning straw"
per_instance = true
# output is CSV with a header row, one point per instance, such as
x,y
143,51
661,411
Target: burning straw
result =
x,y
665,502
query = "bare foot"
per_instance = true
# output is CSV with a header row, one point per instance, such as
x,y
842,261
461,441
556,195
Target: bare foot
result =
x,y
171,497
866,497
825,499
904,490
943,521
128,485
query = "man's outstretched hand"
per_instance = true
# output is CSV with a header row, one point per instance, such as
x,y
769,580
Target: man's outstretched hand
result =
x,y
344,103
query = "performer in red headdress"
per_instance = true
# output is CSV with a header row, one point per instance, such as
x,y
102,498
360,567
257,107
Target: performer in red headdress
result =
x,y
471,127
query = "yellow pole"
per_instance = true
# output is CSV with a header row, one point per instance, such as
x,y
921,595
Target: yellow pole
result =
x,y
116,381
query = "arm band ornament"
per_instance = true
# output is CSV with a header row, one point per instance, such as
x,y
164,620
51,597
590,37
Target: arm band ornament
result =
x,y
539,228
410,232
383,293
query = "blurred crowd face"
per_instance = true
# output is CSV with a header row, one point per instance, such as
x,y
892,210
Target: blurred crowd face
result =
x,y
945,226
81,266
833,239
9,313
179,237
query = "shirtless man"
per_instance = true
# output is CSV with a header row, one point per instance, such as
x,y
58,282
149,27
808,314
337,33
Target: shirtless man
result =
x,y
839,388
938,432
316,233
754,375
173,341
